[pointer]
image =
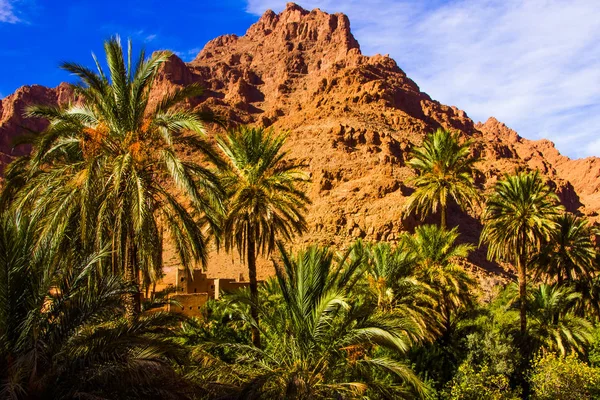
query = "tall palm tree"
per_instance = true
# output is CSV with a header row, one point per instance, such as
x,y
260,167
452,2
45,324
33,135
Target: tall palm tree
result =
x,y
570,253
520,215
445,170
107,171
322,342
438,256
265,198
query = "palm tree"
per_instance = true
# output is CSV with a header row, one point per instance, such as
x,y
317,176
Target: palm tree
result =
x,y
552,322
265,200
445,170
393,285
568,331
62,334
570,253
520,215
107,173
437,256
322,342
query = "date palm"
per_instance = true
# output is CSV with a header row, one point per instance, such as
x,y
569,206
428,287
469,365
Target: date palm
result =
x,y
520,215
62,335
265,198
438,256
570,253
445,170
321,342
552,321
107,171
393,285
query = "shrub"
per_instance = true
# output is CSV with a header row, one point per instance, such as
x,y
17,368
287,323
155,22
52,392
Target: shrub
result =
x,y
563,378
481,384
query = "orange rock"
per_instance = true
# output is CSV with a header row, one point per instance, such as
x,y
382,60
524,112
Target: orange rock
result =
x,y
352,119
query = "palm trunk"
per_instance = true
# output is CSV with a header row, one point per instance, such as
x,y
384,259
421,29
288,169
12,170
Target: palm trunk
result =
x,y
131,300
559,283
443,216
251,260
522,274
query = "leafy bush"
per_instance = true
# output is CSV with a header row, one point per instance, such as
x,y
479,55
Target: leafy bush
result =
x,y
481,384
594,349
563,378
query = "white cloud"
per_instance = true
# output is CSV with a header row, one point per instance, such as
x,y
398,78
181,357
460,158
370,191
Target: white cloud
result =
x,y
533,64
7,13
188,55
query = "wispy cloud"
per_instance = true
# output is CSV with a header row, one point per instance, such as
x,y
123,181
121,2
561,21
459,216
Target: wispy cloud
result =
x,y
142,35
7,13
534,64
188,55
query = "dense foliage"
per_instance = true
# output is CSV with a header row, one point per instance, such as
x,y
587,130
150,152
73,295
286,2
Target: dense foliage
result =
x,y
81,237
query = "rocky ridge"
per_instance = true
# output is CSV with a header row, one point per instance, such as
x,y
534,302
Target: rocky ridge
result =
x,y
352,118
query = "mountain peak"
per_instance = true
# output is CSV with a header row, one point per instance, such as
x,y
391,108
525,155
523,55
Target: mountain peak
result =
x,y
353,120
302,28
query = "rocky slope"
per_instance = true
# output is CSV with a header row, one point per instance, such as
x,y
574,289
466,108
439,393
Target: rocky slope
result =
x,y
353,119
13,123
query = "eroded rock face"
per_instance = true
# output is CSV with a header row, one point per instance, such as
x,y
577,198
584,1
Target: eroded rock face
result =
x,y
13,123
353,119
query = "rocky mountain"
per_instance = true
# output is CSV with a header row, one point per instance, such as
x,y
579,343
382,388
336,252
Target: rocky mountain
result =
x,y
352,118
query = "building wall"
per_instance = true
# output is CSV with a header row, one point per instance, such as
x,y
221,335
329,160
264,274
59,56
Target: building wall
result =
x,y
191,304
196,283
228,286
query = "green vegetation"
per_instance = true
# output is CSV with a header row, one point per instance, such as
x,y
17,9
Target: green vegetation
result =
x,y
445,172
264,200
83,223
563,378
519,216
96,179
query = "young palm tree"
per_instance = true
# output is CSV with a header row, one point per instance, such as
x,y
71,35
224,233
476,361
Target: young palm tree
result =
x,y
520,215
61,331
552,322
570,253
566,332
321,342
437,254
265,199
99,173
392,284
445,170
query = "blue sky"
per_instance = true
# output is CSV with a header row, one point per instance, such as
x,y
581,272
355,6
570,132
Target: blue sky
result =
x,y
533,64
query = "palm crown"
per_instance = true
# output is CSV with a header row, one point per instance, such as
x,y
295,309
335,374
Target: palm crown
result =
x,y
437,255
570,252
445,170
265,201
